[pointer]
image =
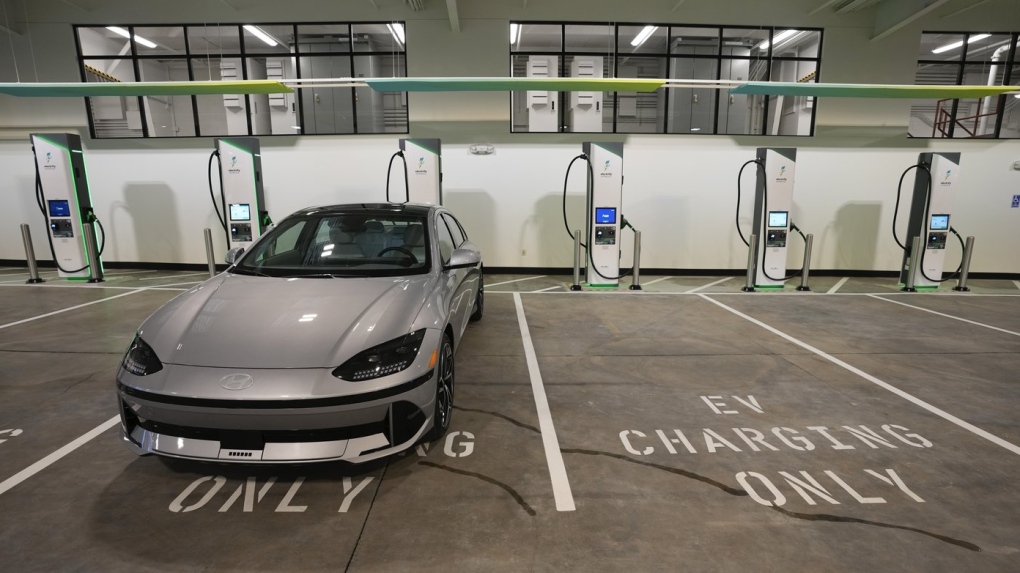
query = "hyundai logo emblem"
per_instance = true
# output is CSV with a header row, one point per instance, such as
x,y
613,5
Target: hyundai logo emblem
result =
x,y
236,381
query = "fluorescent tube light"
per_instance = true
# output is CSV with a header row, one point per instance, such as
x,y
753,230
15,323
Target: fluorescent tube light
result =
x,y
515,33
643,35
777,38
955,45
122,32
258,33
397,30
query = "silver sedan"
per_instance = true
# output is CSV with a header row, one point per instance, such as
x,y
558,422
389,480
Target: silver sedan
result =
x,y
332,338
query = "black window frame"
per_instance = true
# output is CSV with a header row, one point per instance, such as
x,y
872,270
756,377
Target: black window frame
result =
x,y
663,129
1011,62
297,54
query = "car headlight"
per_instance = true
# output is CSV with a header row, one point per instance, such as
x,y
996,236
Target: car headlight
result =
x,y
382,360
141,359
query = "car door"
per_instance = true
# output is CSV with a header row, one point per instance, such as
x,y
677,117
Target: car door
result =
x,y
460,284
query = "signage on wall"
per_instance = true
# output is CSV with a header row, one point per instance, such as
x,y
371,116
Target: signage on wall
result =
x,y
1016,202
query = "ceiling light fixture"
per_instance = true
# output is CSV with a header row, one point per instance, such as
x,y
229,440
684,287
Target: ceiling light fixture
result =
x,y
260,34
397,30
122,32
955,45
777,38
515,33
643,35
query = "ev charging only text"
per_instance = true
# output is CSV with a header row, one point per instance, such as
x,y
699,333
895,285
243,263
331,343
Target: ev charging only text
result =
x,y
870,486
214,491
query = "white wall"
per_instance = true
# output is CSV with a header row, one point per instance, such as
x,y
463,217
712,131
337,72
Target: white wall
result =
x,y
679,190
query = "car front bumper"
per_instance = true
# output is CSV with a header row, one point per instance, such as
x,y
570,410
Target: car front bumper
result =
x,y
354,428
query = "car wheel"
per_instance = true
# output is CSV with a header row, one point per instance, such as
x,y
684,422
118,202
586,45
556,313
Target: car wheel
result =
x,y
444,391
476,313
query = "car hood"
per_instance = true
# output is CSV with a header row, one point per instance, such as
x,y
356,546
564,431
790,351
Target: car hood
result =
x,y
234,321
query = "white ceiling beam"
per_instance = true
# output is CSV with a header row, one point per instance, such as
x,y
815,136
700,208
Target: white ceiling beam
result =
x,y
822,7
451,8
73,5
892,16
964,9
678,4
374,5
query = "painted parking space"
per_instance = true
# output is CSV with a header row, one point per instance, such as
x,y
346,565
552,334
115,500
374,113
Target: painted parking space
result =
x,y
57,369
781,453
20,303
332,516
990,311
959,367
685,431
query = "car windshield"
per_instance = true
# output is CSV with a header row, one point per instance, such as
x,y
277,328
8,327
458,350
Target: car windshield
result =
x,y
331,244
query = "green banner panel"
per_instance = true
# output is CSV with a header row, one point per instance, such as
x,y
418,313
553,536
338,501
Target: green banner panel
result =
x,y
143,88
512,84
870,90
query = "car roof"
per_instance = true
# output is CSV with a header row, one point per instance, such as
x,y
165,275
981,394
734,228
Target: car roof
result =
x,y
405,208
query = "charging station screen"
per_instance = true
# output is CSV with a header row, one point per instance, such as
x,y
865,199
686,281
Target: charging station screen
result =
x,y
60,209
939,223
240,212
605,215
778,218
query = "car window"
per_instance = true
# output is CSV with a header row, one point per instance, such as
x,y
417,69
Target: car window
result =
x,y
342,244
281,247
463,233
446,244
455,230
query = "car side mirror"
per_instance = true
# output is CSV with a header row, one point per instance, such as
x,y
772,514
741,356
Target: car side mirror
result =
x,y
234,254
462,259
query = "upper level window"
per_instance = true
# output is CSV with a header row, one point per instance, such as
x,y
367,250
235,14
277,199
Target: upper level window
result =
x,y
243,52
967,58
663,51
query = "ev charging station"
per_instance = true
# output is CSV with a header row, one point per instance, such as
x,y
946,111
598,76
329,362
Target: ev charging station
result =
x,y
773,201
423,164
931,209
242,198
604,217
62,191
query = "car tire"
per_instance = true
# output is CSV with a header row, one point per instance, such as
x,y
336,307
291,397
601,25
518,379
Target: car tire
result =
x,y
476,313
443,411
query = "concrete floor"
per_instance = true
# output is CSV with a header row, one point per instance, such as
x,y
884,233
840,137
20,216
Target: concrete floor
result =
x,y
698,428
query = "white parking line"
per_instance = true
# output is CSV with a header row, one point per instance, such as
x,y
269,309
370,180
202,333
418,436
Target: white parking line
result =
x,y
557,471
1017,283
25,278
946,315
118,273
173,285
836,286
514,281
173,276
658,280
10,324
696,289
55,456
547,288
933,409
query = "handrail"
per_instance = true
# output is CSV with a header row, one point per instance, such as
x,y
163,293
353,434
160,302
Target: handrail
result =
x,y
943,118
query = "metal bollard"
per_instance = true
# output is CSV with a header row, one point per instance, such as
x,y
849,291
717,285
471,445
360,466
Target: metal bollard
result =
x,y
807,264
33,268
209,252
915,259
636,282
749,285
968,250
92,252
577,261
